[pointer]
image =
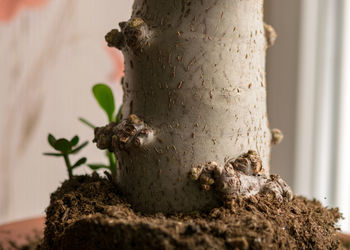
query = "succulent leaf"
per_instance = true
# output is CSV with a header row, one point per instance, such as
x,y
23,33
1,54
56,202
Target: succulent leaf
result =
x,y
63,145
97,166
105,99
77,149
51,139
74,141
80,162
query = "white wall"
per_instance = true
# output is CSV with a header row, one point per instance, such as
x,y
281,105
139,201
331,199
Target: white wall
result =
x,y
49,59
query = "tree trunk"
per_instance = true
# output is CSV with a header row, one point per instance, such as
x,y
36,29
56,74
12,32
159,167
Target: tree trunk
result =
x,y
194,101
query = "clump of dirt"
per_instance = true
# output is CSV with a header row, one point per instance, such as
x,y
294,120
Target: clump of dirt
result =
x,y
88,213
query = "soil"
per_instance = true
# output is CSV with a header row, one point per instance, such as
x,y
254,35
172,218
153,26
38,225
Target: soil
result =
x,y
87,212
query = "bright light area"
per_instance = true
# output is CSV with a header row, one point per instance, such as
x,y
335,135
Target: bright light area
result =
x,y
343,172
322,167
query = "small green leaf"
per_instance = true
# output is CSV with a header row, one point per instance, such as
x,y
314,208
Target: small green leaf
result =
x,y
80,162
86,122
53,154
51,139
97,166
105,98
119,114
77,149
63,145
74,141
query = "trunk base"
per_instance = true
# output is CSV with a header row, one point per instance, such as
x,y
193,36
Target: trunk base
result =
x,y
87,213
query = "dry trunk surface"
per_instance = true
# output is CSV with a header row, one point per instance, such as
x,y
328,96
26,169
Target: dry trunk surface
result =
x,y
194,94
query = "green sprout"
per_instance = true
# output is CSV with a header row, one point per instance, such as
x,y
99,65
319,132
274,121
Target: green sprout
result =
x,y
105,98
64,149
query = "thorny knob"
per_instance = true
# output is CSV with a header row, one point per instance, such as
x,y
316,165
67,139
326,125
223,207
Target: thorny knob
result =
x,y
131,132
134,34
276,136
242,177
249,163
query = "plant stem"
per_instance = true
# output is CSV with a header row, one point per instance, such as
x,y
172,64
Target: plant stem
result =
x,y
69,166
86,122
112,163
110,118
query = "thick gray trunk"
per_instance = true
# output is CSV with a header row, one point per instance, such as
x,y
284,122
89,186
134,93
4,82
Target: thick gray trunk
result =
x,y
195,80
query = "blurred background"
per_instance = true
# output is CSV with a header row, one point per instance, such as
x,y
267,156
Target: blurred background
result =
x,y
53,51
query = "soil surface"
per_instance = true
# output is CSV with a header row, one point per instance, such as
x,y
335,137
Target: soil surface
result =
x,y
88,213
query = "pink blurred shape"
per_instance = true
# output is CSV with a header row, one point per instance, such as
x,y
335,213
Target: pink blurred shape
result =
x,y
9,8
118,64
21,231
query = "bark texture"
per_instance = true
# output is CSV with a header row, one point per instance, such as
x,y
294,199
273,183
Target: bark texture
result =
x,y
194,92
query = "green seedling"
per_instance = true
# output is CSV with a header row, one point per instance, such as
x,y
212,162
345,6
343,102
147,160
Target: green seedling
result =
x,y
105,98
64,149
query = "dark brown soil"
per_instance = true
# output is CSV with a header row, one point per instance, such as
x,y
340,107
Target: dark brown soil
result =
x,y
88,213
